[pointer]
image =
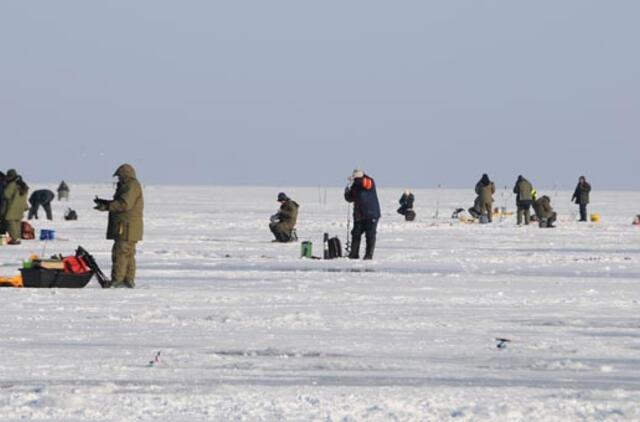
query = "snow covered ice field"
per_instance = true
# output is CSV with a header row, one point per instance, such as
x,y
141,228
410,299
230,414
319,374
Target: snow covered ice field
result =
x,y
247,330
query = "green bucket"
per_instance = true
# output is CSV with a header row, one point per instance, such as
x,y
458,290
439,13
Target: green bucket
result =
x,y
306,249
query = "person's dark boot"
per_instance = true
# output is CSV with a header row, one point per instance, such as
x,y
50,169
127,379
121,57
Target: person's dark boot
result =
x,y
371,245
355,249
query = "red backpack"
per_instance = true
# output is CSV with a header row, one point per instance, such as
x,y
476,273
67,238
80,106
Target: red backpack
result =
x,y
74,264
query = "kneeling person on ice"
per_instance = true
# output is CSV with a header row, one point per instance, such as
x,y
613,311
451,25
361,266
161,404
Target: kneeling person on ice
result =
x,y
544,212
125,225
283,223
366,212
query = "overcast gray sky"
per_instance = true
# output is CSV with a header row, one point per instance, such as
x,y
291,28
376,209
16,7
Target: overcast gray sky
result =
x,y
418,93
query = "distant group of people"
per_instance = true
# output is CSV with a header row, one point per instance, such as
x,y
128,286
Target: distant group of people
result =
x,y
526,198
125,222
15,201
366,208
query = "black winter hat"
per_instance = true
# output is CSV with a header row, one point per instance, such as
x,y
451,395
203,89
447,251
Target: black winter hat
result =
x,y
282,197
12,174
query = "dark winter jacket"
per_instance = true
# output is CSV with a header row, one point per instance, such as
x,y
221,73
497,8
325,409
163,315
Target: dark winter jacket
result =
x,y
581,194
41,196
542,208
288,213
485,189
406,201
126,208
362,193
523,190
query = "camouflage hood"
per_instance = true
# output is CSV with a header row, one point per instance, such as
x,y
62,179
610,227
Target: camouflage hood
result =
x,y
125,171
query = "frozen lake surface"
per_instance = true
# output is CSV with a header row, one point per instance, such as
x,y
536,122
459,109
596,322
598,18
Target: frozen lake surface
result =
x,y
246,330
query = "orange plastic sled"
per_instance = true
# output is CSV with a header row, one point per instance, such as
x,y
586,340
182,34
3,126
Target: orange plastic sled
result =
x,y
15,281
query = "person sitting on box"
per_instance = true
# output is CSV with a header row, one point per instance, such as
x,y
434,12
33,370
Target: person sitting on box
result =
x,y
406,205
283,223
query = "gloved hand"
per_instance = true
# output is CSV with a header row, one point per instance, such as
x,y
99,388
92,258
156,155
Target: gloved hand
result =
x,y
101,204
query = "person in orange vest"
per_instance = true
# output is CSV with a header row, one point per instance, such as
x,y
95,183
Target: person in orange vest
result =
x,y
366,212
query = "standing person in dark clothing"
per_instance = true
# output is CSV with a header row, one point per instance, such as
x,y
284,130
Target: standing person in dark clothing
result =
x,y
524,198
366,212
581,196
406,205
63,191
40,197
485,189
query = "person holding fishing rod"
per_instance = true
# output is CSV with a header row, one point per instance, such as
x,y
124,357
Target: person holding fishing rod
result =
x,y
366,212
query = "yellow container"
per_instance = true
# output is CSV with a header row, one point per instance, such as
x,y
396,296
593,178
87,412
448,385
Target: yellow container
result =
x,y
595,218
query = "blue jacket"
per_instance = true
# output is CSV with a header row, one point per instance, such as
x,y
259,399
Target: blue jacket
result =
x,y
362,193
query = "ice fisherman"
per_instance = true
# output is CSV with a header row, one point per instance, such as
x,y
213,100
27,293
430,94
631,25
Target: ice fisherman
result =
x,y
125,225
406,205
545,214
485,189
283,222
524,198
366,212
40,197
63,191
14,204
581,196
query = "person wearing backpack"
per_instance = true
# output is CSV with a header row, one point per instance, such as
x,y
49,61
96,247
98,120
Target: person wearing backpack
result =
x,y
40,197
14,204
366,212
125,225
